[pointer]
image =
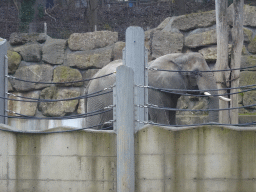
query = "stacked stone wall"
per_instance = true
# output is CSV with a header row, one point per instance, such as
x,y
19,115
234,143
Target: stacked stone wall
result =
x,y
40,58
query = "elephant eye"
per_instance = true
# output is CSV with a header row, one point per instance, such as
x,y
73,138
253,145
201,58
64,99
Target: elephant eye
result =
x,y
196,73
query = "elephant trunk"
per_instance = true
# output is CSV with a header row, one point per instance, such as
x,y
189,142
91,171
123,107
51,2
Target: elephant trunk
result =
x,y
208,82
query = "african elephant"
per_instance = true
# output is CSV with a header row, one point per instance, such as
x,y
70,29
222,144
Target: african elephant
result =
x,y
186,77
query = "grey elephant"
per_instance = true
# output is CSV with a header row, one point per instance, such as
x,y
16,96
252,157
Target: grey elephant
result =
x,y
187,76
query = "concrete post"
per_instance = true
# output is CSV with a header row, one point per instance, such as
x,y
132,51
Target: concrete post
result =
x,y
134,57
3,84
125,129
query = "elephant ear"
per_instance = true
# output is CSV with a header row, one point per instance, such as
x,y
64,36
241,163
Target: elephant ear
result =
x,y
172,80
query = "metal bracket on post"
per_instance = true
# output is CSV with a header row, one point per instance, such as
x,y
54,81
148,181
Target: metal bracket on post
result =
x,y
134,57
125,129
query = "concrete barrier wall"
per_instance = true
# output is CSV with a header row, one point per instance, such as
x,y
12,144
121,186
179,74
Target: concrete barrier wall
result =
x,y
208,158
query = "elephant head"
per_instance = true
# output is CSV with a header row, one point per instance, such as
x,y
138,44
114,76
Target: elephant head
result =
x,y
187,75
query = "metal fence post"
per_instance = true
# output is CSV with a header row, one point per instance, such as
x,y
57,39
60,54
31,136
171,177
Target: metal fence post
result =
x,y
134,57
125,129
3,84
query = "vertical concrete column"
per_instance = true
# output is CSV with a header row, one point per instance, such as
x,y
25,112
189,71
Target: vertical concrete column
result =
x,y
125,129
3,80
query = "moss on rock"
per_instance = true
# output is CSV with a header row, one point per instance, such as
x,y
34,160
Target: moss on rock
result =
x,y
14,60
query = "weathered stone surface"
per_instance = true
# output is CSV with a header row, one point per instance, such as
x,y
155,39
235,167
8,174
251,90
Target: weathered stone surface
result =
x,y
250,15
166,42
87,74
210,53
194,20
91,40
247,78
30,52
248,61
247,35
14,60
59,108
66,74
35,73
249,99
164,23
24,108
252,46
198,39
97,58
118,50
10,88
54,51
22,38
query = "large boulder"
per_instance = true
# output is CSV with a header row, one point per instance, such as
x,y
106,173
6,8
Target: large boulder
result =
x,y
59,108
248,61
91,40
66,74
247,35
22,38
14,60
252,46
97,58
54,51
24,108
247,78
35,73
201,37
30,52
210,53
118,50
88,74
194,20
164,42
249,99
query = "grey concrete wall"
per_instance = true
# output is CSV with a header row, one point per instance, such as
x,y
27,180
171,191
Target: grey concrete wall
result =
x,y
208,158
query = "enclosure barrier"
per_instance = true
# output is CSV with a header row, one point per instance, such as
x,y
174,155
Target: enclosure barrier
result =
x,y
132,157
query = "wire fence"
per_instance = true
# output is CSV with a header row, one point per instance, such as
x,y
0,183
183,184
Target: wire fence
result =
x,y
107,90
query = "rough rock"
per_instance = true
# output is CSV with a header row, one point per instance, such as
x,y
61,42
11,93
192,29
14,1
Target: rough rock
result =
x,y
194,20
54,51
247,35
199,38
22,38
88,74
97,58
210,53
14,60
249,99
118,50
166,42
248,61
252,46
249,15
10,88
247,78
35,73
24,108
66,74
30,52
59,108
91,40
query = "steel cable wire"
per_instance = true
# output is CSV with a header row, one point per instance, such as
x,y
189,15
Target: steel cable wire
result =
x,y
51,132
70,82
95,94
93,113
201,124
193,110
207,71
